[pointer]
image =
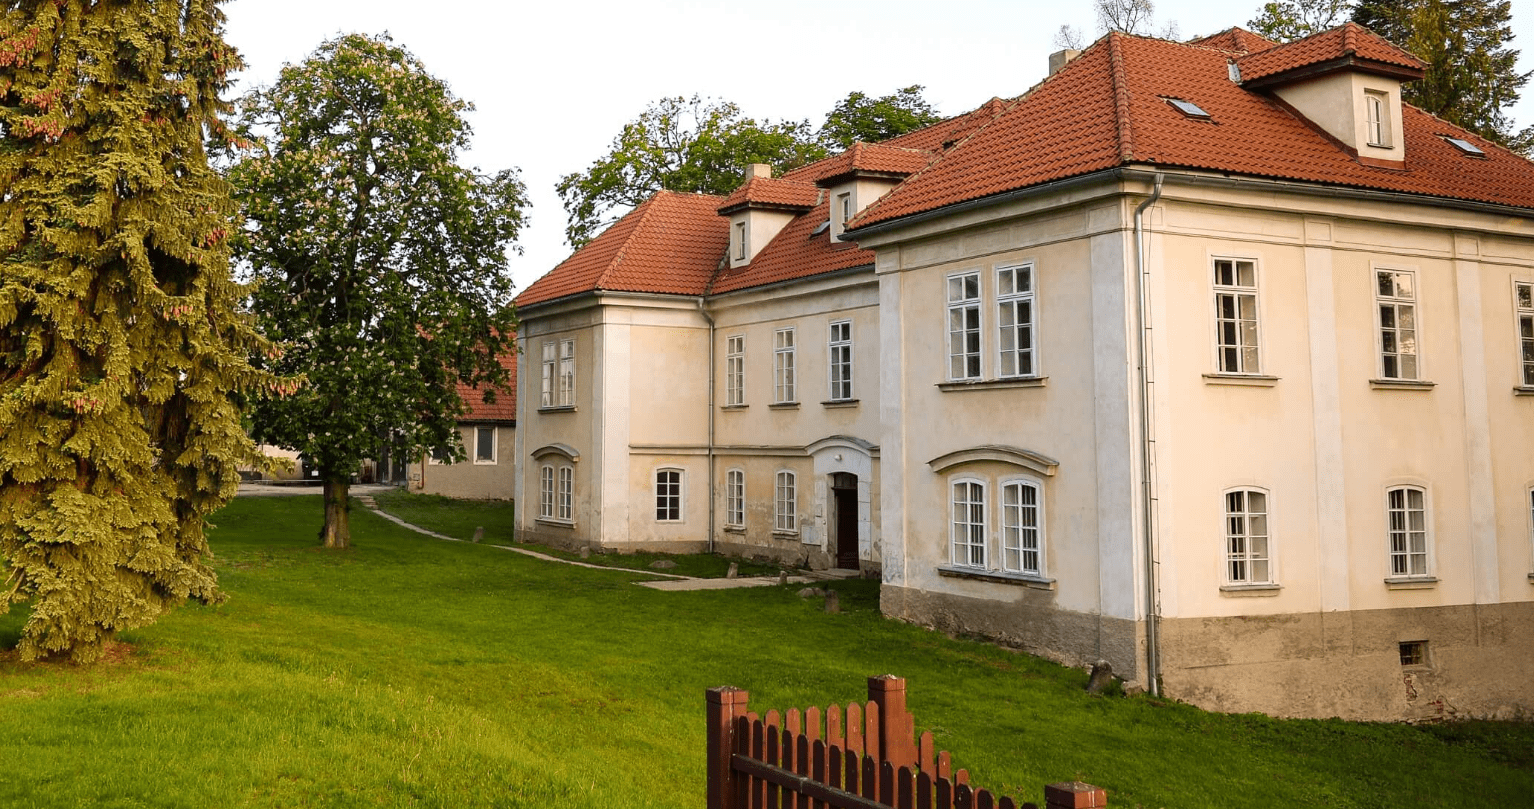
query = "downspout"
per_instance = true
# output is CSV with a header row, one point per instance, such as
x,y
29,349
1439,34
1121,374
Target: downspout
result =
x,y
1147,448
711,505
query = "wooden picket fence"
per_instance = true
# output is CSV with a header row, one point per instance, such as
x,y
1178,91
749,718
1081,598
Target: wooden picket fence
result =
x,y
869,757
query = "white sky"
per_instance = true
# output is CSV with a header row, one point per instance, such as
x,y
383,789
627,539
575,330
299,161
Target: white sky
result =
x,y
555,80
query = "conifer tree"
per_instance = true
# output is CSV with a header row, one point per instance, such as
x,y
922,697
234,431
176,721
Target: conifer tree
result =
x,y
123,356
379,261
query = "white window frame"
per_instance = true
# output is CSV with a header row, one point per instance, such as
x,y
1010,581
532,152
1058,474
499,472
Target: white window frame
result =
x,y
1397,303
785,374
1006,535
785,499
495,440
740,241
1240,559
546,492
1235,356
1377,118
964,304
670,506
1012,301
1523,320
962,553
844,207
839,361
1529,512
1400,555
567,372
564,494
550,369
735,370
735,498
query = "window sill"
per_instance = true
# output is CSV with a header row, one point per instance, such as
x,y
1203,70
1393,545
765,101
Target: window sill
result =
x,y
557,409
1244,380
1000,577
485,463
776,534
735,529
734,407
1401,384
554,522
783,406
1250,590
1524,390
835,403
993,384
1411,582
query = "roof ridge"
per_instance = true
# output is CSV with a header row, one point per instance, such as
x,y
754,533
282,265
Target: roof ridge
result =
x,y
1121,112
1350,37
643,210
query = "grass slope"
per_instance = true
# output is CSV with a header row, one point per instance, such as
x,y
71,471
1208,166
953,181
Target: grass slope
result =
x,y
413,672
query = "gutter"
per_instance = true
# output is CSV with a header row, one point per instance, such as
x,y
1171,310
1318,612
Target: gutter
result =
x,y
712,505
1147,450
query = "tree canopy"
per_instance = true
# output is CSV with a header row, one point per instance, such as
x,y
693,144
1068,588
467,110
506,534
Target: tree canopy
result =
x,y
697,145
861,117
1288,20
124,357
380,262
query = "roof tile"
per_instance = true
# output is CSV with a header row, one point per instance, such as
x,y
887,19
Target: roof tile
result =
x,y
771,192
1343,41
504,408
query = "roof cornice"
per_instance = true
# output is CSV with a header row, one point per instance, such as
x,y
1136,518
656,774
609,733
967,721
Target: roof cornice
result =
x,y
1349,62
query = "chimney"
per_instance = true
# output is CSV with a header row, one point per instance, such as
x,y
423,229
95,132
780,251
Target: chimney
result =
x,y
758,170
1058,59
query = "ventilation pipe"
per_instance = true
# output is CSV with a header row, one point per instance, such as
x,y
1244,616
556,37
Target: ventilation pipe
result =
x,y
1147,450
710,488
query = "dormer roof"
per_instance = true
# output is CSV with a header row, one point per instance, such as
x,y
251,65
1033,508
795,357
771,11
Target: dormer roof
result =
x,y
767,192
873,160
1236,40
1349,46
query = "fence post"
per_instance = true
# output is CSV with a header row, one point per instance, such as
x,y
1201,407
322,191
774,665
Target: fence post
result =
x,y
897,729
725,704
1074,795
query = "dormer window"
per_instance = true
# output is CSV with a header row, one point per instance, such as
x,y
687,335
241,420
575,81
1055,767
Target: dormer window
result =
x,y
1188,108
844,207
1377,115
740,241
1464,146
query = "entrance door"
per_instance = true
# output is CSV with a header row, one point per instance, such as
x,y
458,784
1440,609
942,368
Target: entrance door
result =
x,y
844,501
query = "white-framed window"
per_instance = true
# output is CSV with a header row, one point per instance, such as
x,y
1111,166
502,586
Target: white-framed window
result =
x,y
964,326
840,349
1235,313
567,373
1248,550
668,495
786,502
1014,314
1022,527
784,375
1396,300
735,498
484,445
1523,294
844,207
968,523
740,241
735,370
546,492
564,494
550,369
1377,118
1406,528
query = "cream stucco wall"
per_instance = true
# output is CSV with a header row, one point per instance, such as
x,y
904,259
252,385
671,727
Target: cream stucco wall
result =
x,y
472,479
1335,103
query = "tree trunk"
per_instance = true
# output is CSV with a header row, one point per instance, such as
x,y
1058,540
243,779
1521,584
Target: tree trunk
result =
x,y
337,532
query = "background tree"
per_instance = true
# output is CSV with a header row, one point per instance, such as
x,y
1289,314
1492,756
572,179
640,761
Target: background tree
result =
x,y
380,262
1472,75
1136,17
860,117
1288,20
123,356
695,145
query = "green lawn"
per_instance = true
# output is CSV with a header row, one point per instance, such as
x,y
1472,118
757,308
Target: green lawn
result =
x,y
413,672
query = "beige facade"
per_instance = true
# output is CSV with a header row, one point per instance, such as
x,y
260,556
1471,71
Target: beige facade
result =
x,y
479,476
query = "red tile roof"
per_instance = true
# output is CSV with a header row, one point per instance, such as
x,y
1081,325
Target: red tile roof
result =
x,y
796,252
875,158
671,243
1107,108
1349,40
505,407
1236,40
771,193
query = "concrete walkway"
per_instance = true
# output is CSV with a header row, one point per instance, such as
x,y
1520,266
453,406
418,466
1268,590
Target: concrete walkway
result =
x,y
259,489
669,582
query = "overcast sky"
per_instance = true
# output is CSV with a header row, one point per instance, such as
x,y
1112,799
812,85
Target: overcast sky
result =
x,y
554,82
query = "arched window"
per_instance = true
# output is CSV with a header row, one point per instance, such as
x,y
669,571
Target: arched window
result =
x,y
1248,557
1406,527
735,498
787,502
968,526
1022,527
668,495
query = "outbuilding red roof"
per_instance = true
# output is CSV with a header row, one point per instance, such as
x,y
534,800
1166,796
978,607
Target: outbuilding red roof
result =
x,y
504,408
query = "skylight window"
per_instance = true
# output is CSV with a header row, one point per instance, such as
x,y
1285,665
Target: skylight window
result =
x,y
1464,146
822,228
1188,108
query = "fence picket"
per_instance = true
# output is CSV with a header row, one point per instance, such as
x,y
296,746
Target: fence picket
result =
x,y
834,726
961,777
963,796
758,752
944,794
774,741
871,731
818,770
1006,803
802,758
983,800
792,720
924,754
853,770
855,729
924,790
904,789
812,723
870,777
